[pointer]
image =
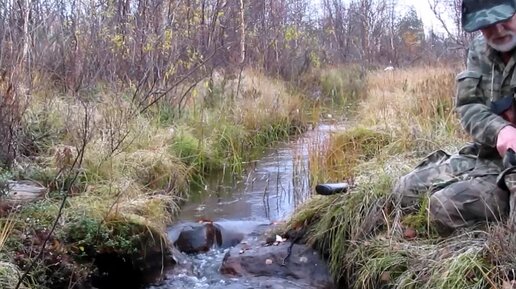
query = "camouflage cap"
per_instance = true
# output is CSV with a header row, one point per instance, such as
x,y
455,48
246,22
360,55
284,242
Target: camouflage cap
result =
x,y
478,14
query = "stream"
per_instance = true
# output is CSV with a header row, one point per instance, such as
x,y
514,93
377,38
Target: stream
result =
x,y
269,192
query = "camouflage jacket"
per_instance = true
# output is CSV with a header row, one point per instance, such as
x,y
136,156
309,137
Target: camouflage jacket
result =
x,y
486,78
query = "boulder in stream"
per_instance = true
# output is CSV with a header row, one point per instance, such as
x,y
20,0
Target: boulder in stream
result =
x,y
304,266
193,238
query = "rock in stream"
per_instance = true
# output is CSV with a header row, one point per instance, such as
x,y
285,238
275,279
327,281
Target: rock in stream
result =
x,y
221,255
303,268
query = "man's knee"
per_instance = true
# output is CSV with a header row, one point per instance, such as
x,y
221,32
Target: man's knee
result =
x,y
435,172
467,202
443,214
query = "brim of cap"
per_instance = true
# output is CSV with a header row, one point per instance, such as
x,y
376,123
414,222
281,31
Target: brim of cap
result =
x,y
483,18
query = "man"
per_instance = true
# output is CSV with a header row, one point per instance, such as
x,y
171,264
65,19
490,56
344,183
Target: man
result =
x,y
463,187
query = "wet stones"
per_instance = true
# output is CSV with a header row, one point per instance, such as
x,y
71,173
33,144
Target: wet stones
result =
x,y
196,238
252,259
304,265
228,237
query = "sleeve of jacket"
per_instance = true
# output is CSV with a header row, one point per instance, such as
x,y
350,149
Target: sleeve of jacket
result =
x,y
472,104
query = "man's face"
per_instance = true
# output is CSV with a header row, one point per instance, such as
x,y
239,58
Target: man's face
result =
x,y
501,36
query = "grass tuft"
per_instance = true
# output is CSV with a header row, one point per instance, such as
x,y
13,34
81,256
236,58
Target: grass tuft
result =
x,y
345,151
335,220
342,85
415,106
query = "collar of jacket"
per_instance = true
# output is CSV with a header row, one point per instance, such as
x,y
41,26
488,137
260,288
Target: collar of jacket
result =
x,y
495,61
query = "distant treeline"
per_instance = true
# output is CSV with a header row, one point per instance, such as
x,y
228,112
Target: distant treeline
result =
x,y
78,43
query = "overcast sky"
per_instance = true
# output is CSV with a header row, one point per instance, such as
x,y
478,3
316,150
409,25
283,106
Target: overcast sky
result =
x,y
423,10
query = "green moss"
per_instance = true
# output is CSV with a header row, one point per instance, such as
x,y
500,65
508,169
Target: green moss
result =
x,y
9,274
38,215
88,237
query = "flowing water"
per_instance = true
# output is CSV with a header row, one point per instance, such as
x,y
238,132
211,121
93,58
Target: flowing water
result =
x,y
270,191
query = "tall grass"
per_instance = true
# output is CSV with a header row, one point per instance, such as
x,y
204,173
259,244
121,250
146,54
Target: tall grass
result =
x,y
344,152
415,106
343,85
221,135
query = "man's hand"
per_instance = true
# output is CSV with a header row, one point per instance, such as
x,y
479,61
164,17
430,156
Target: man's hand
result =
x,y
506,139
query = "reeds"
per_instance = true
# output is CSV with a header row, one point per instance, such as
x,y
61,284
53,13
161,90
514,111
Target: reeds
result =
x,y
415,106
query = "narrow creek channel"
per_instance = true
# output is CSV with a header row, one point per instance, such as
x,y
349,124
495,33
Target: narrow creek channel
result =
x,y
270,191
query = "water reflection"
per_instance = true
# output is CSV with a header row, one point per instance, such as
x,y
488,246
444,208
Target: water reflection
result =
x,y
271,189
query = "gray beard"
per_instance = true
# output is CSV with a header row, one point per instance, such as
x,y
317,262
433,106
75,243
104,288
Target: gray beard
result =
x,y
506,47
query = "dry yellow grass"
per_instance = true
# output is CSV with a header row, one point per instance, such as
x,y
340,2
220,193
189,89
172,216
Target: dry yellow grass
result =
x,y
6,226
403,115
343,152
415,105
264,101
134,163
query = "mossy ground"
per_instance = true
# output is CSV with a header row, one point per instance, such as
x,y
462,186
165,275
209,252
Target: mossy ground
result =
x,y
368,240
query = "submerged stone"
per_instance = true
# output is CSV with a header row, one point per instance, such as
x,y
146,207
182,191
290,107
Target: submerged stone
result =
x,y
303,266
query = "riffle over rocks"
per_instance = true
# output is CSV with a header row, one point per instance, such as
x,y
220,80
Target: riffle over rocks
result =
x,y
251,256
304,267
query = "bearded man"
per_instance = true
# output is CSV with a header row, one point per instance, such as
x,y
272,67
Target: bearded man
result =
x,y
463,187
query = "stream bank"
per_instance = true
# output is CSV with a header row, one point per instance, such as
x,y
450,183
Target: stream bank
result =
x,y
227,236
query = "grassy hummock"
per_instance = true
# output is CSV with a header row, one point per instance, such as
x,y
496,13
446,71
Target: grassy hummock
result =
x,y
368,240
